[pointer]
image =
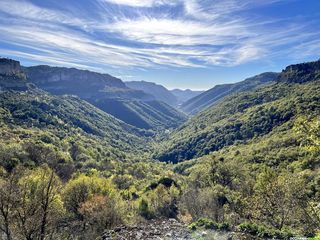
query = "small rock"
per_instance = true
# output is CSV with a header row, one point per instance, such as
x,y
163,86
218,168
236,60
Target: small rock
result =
x,y
204,233
139,235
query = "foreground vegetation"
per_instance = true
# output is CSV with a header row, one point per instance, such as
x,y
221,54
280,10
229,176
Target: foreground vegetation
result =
x,y
249,164
228,188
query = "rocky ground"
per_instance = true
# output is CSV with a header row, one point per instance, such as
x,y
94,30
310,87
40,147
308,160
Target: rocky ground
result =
x,y
169,229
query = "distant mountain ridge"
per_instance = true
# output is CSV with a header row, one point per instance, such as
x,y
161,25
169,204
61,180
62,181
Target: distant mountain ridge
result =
x,y
106,92
156,90
184,95
213,95
84,83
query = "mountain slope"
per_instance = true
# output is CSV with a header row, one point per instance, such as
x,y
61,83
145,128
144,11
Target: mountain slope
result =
x,y
32,110
245,116
85,134
105,92
184,95
143,114
213,95
156,90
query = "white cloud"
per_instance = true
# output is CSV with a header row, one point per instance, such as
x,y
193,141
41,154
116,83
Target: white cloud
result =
x,y
140,3
47,59
203,33
178,32
79,48
193,8
26,10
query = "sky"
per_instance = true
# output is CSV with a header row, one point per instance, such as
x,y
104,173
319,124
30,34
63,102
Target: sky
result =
x,y
183,44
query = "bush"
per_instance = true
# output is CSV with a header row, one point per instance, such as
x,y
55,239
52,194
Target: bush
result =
x,y
208,224
163,201
262,231
101,212
83,188
144,210
314,238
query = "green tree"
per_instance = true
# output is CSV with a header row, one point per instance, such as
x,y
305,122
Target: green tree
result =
x,y
82,188
101,212
310,128
8,200
39,205
280,200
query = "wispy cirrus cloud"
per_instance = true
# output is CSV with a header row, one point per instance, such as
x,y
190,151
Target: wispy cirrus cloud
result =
x,y
167,31
148,33
25,10
141,3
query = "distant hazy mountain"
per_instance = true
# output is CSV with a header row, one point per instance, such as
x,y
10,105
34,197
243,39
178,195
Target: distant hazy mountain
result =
x,y
184,95
158,91
213,95
108,93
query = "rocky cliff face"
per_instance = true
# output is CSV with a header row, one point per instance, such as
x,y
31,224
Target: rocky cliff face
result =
x,y
10,67
44,75
11,76
301,73
88,85
60,80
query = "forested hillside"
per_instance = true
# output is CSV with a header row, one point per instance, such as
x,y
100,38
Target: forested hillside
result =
x,y
90,169
143,114
67,123
217,93
245,116
260,159
108,93
58,156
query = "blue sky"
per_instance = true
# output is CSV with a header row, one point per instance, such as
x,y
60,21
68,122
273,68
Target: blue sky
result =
x,y
178,43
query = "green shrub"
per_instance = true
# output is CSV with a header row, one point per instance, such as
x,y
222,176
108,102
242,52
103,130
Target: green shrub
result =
x,y
208,224
314,238
262,231
144,209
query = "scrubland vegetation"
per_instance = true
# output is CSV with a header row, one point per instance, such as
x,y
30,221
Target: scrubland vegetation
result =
x,y
249,163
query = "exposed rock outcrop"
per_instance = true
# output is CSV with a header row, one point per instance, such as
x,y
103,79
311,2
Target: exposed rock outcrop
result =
x,y
169,229
11,76
301,73
9,67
